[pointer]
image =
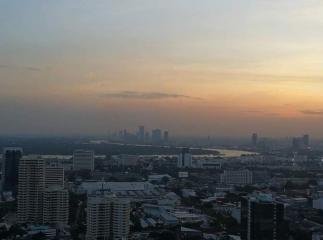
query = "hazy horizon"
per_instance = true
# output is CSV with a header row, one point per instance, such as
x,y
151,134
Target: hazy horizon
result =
x,y
213,67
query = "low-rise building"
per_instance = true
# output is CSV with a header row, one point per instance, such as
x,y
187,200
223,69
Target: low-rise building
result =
x,y
237,177
83,160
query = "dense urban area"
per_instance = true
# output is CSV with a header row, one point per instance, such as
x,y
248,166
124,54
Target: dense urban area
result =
x,y
151,186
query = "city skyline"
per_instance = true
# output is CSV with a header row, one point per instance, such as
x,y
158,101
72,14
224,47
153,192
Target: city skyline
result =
x,y
226,68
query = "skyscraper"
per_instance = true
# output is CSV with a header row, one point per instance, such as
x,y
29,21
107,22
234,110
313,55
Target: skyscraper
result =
x,y
166,136
10,163
41,194
306,140
55,196
108,217
147,137
184,159
54,176
141,133
262,218
55,205
254,139
296,143
31,184
156,136
83,160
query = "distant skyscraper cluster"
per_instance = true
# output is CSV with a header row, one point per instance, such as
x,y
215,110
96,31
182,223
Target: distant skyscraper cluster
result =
x,y
155,136
299,143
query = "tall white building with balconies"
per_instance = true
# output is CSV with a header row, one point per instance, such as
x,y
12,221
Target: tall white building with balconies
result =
x,y
55,205
108,217
31,184
41,194
54,176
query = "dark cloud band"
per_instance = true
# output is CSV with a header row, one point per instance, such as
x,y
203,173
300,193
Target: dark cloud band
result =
x,y
312,112
146,95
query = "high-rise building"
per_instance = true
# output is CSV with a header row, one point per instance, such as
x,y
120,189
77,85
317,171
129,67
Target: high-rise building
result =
x,y
125,134
184,159
166,136
254,139
10,163
54,176
83,160
120,219
299,143
262,218
108,217
306,140
55,196
141,133
41,194
55,205
147,137
296,143
31,184
156,136
237,177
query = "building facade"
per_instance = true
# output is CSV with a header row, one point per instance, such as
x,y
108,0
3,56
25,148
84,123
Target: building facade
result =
x,y
83,160
262,218
41,194
237,177
10,162
55,205
54,176
185,159
156,136
31,184
108,217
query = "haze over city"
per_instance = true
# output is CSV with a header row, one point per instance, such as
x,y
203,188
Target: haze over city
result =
x,y
211,67
161,120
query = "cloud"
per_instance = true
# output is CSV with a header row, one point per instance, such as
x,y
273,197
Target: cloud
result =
x,y
253,111
312,112
260,112
146,95
28,68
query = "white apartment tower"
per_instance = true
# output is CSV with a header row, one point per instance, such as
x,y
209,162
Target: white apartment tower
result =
x,y
55,200
54,176
55,205
120,219
31,184
83,160
41,194
108,217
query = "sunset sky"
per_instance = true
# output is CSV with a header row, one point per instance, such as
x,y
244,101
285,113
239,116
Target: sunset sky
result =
x,y
208,67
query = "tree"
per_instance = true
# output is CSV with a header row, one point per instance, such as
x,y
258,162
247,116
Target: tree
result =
x,y
164,180
16,230
39,236
169,235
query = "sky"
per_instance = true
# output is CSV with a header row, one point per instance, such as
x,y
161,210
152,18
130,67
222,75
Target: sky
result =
x,y
211,67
